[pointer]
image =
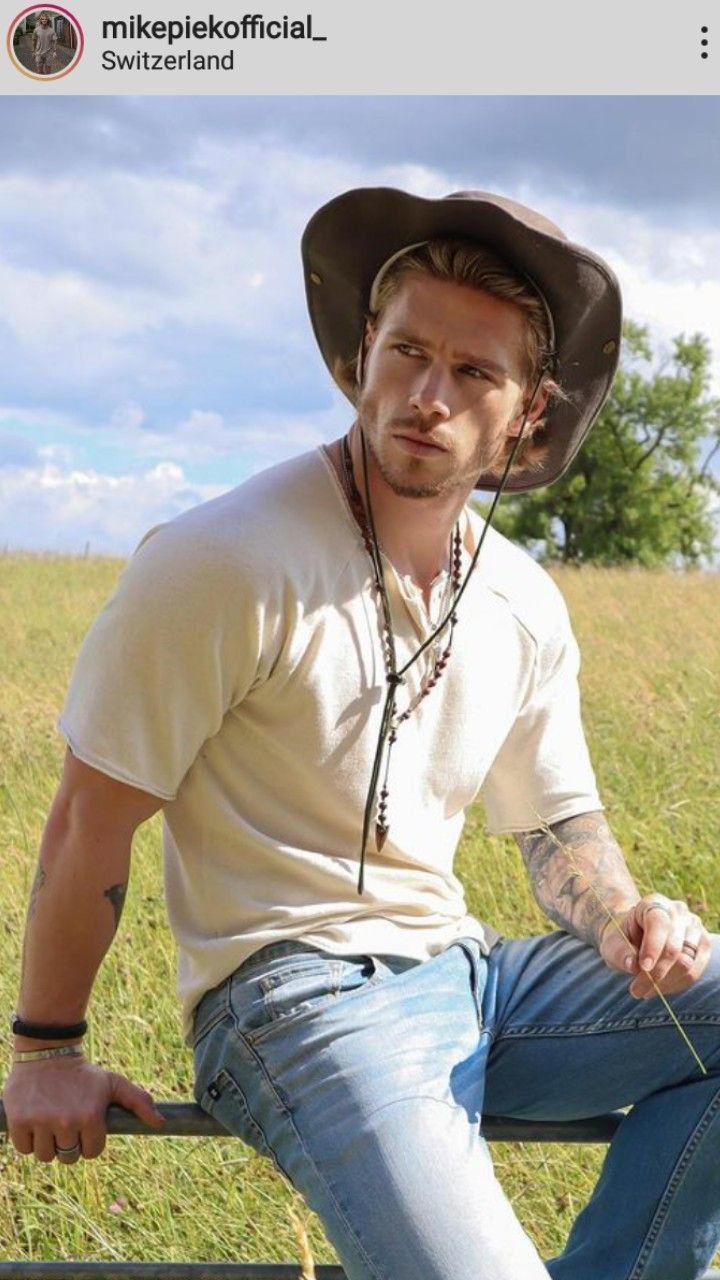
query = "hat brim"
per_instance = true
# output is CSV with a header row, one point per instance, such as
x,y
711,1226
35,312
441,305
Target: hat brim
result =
x,y
347,241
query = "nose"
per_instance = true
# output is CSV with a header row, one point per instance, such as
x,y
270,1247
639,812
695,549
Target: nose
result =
x,y
431,395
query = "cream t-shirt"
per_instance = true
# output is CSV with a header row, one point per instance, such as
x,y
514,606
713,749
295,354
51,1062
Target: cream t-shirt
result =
x,y
237,673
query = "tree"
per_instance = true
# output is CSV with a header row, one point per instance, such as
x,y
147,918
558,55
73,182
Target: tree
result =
x,y
641,488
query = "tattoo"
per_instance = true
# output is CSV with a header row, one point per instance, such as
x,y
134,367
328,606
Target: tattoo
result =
x,y
38,882
575,867
116,894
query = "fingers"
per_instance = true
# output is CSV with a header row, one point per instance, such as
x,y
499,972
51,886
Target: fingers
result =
x,y
137,1100
63,1143
675,946
664,923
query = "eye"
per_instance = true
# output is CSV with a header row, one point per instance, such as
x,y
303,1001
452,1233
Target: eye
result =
x,y
473,371
407,349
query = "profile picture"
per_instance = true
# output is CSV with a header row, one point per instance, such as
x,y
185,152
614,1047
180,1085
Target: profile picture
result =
x,y
45,43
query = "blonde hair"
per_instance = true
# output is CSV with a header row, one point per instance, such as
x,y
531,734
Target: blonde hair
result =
x,y
467,263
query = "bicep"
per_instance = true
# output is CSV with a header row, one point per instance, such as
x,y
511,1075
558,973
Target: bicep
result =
x,y
92,799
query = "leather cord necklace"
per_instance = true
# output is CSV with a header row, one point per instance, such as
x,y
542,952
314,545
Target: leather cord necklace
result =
x,y
394,674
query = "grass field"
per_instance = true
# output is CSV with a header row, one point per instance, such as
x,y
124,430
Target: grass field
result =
x,y
651,689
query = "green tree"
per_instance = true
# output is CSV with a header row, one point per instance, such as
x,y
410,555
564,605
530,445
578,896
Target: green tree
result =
x,y
641,489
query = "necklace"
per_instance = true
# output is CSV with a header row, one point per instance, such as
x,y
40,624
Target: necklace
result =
x,y
392,719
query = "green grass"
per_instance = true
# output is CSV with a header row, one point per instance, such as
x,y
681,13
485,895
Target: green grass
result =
x,y
651,686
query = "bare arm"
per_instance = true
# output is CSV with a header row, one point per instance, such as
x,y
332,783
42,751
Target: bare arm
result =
x,y
575,866
579,876
73,914
79,891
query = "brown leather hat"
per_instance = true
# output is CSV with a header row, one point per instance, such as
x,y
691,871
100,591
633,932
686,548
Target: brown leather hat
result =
x,y
349,239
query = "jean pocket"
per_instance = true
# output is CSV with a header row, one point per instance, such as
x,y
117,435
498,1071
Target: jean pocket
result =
x,y
295,987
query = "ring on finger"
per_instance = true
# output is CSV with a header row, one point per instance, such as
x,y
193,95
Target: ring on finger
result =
x,y
68,1155
657,906
690,949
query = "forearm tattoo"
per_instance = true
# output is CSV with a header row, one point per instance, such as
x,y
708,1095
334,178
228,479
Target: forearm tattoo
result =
x,y
116,894
576,866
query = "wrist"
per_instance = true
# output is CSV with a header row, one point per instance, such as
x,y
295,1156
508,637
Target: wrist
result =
x,y
614,922
24,1043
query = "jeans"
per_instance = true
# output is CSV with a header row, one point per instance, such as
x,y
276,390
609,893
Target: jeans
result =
x,y
364,1078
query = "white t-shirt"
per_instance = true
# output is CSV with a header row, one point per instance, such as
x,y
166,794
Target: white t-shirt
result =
x,y
45,38
237,673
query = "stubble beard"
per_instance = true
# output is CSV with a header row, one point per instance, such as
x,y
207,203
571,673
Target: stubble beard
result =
x,y
404,486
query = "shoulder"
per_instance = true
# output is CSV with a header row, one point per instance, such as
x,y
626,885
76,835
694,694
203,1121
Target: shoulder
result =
x,y
261,525
525,587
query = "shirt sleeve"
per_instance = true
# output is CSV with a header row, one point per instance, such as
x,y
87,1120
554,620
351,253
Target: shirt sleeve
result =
x,y
182,640
542,772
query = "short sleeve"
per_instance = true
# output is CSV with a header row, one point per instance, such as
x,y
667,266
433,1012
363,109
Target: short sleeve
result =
x,y
181,641
542,772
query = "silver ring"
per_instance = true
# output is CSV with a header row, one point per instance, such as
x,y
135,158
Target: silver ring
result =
x,y
657,906
68,1155
691,949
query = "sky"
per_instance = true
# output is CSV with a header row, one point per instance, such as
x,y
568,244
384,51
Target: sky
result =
x,y
155,345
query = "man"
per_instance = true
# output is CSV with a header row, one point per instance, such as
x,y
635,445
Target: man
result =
x,y
44,43
313,676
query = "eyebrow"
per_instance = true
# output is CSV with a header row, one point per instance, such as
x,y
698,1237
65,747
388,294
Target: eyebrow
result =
x,y
466,356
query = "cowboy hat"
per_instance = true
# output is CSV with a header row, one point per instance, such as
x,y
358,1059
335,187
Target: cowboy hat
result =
x,y
351,238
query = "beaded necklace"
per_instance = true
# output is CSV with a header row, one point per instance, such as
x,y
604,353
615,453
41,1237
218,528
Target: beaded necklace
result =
x,y
391,718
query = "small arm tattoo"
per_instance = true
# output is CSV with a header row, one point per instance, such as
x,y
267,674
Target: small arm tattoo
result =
x,y
38,882
575,867
116,894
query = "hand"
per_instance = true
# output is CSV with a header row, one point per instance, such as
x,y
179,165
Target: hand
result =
x,y
667,941
61,1104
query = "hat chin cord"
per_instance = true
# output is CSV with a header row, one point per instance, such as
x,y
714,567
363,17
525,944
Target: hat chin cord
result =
x,y
395,676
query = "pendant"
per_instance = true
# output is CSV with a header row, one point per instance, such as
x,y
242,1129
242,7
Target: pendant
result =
x,y
381,835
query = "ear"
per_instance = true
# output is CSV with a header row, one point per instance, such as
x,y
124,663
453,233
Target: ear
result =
x,y
539,405
368,337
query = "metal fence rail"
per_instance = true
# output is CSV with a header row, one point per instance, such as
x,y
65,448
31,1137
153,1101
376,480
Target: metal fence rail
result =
x,y
186,1120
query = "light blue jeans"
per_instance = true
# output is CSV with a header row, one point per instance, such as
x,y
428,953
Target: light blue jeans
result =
x,y
364,1079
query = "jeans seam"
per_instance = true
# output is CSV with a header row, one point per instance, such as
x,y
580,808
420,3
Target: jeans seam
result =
x,y
283,1103
590,1028
678,1173
212,1020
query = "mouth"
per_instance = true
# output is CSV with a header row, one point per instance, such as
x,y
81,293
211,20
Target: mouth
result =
x,y
419,445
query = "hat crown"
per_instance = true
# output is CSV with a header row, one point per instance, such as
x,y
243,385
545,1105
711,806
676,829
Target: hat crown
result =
x,y
523,212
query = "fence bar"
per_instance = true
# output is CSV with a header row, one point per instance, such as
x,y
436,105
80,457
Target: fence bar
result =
x,y
187,1120
174,1271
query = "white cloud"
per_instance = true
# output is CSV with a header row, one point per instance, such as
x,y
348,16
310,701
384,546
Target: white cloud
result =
x,y
249,443
58,506
51,508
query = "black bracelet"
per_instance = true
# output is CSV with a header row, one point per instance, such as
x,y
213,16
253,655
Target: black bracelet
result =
x,y
40,1031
